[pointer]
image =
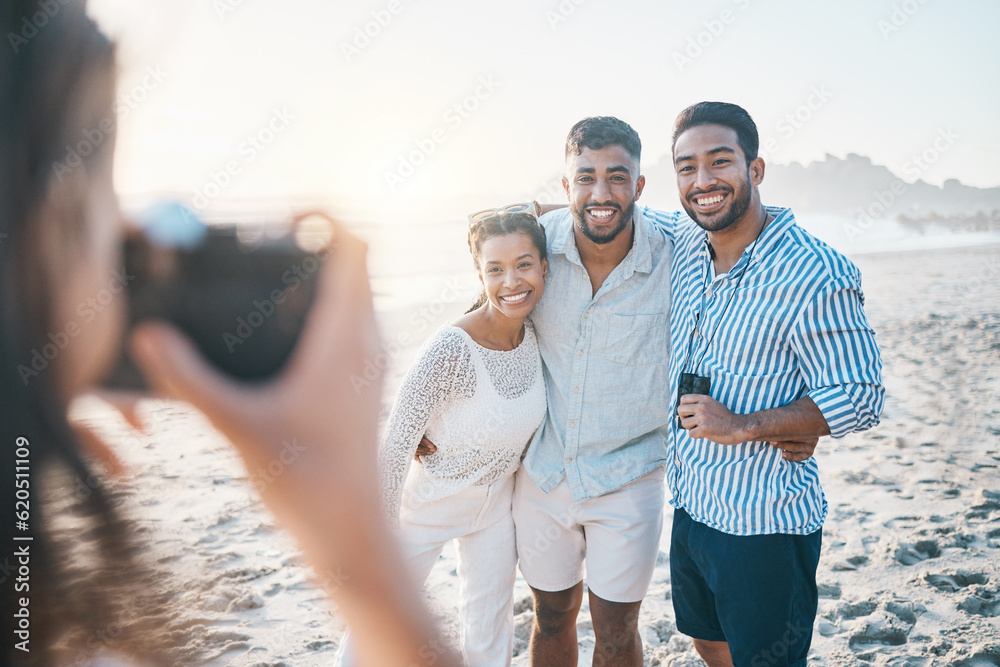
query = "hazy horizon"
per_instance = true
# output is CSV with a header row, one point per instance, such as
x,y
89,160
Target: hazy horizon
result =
x,y
396,107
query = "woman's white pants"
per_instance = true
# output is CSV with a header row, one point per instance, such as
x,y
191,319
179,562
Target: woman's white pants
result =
x,y
479,519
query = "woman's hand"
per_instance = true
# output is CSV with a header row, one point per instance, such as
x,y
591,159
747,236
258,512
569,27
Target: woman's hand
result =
x,y
313,413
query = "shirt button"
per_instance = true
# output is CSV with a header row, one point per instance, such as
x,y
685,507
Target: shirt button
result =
x,y
576,390
586,315
579,353
572,424
569,460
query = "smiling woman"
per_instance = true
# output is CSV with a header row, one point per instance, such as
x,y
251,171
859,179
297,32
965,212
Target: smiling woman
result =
x,y
475,391
507,232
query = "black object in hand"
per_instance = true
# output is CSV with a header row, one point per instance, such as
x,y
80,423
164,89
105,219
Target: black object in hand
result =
x,y
689,383
243,304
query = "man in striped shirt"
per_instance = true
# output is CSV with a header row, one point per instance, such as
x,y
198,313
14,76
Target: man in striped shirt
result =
x,y
771,349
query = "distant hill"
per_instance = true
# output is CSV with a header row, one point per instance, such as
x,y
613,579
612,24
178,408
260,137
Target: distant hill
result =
x,y
850,187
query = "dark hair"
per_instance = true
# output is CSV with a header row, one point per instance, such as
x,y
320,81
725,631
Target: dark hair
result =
x,y
596,132
56,81
502,224
721,113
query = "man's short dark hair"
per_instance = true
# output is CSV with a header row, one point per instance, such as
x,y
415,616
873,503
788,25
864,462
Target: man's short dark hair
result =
x,y
725,114
597,132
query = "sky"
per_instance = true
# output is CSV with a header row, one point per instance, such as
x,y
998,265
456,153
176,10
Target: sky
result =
x,y
404,109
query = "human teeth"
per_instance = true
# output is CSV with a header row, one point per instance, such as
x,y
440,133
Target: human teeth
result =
x,y
601,214
708,201
515,298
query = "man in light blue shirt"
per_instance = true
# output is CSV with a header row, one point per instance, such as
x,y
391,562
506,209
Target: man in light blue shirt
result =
x,y
591,486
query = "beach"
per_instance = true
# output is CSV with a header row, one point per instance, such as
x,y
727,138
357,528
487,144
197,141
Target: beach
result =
x,y
910,567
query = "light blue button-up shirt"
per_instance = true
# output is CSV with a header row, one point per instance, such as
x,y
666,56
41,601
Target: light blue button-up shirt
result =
x,y
606,363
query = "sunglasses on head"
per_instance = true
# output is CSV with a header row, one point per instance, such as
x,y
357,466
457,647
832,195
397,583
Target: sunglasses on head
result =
x,y
526,207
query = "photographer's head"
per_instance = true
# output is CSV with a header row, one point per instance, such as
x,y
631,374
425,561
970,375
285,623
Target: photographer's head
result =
x,y
715,157
59,246
508,250
59,210
602,179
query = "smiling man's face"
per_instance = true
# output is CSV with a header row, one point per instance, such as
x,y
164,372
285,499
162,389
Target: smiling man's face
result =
x,y
602,186
713,179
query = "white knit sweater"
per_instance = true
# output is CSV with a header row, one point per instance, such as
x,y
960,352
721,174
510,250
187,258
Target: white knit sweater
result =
x,y
480,408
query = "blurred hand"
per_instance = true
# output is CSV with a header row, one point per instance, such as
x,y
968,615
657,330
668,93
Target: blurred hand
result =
x,y
312,403
322,427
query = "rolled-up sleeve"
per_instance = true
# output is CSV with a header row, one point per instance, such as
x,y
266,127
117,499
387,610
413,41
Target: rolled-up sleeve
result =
x,y
839,358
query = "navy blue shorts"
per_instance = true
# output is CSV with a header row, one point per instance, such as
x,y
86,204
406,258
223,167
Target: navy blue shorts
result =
x,y
756,592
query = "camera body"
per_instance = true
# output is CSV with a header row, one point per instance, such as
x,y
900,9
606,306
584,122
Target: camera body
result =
x,y
690,383
242,303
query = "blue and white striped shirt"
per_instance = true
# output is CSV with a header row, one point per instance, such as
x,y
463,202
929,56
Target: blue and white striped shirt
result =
x,y
795,327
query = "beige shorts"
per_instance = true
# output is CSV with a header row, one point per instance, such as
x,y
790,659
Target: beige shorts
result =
x,y
617,535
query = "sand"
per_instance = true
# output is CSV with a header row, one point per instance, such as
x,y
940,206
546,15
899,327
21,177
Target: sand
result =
x,y
910,569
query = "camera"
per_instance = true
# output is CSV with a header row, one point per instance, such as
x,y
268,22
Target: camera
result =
x,y
240,293
690,383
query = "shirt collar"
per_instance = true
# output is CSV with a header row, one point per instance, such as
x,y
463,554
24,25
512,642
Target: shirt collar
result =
x,y
563,241
769,236
772,234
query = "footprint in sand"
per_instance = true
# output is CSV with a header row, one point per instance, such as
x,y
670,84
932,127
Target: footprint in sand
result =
x,y
244,574
871,624
249,600
990,658
908,554
955,582
887,625
829,591
982,601
906,611
880,630
864,477
910,520
988,501
852,563
849,610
